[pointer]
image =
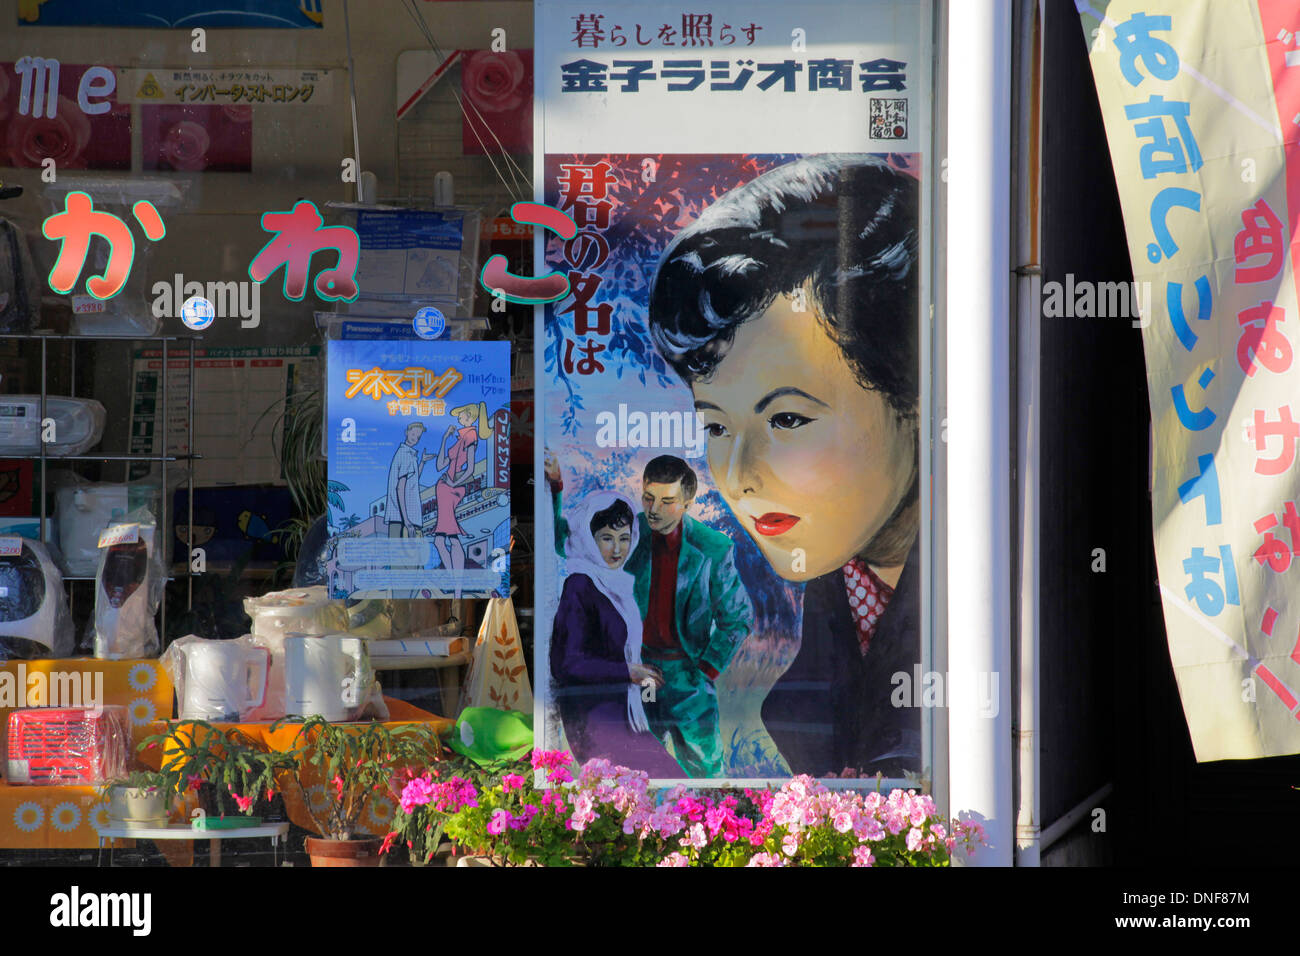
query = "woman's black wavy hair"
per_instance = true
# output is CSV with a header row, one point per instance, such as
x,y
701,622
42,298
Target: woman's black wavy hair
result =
x,y
617,515
846,225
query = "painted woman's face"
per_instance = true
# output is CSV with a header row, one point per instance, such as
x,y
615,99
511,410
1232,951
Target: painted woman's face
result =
x,y
614,545
466,418
810,462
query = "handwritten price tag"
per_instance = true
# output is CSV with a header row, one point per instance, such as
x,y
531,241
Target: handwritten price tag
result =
x,y
11,545
119,534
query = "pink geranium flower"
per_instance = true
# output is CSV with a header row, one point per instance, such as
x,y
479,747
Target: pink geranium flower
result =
x,y
675,859
418,792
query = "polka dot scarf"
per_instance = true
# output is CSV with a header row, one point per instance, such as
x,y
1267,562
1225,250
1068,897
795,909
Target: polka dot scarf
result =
x,y
868,598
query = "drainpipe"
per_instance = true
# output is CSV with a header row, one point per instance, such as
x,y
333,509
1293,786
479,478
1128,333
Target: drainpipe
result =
x,y
979,420
1028,291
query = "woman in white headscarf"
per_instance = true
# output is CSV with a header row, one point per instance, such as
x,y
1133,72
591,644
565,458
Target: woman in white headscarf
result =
x,y
596,643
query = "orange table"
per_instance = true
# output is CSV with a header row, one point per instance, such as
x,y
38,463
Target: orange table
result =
x,y
380,808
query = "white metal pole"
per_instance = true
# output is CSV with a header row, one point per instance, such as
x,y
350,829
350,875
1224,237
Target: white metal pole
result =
x,y
979,432
1028,448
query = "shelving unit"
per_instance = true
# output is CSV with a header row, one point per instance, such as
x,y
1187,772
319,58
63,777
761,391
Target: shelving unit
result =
x,y
164,460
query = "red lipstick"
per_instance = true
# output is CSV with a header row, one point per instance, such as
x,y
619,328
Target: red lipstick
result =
x,y
775,523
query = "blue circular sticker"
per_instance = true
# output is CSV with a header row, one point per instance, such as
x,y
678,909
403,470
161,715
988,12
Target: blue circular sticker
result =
x,y
197,313
429,323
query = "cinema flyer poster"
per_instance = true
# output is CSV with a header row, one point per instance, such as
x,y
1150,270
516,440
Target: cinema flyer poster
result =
x,y
419,469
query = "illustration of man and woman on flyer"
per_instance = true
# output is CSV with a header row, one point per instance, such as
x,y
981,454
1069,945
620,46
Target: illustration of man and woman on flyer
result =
x,y
799,347
403,506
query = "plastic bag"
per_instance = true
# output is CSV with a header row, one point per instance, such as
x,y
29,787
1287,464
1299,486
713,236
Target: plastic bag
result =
x,y
277,614
34,618
128,588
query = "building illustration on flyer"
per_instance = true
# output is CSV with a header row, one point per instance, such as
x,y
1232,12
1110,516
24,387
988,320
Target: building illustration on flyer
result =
x,y
419,469
729,517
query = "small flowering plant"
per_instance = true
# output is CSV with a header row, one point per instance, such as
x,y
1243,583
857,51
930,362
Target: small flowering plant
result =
x,y
354,761
231,773
805,824
605,815
504,816
423,804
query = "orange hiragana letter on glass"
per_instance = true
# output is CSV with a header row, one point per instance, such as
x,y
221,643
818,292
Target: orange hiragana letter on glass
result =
x,y
73,228
299,235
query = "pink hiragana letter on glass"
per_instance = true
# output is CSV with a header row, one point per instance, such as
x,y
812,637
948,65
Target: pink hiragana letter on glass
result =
x,y
299,235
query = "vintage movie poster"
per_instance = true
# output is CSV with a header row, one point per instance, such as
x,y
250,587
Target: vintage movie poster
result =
x,y
419,469
1201,102
729,518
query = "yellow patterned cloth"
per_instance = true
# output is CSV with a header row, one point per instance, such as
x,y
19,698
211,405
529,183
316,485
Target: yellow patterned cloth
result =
x,y
35,817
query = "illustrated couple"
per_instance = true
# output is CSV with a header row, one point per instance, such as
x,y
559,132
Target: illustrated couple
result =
x,y
790,310
652,603
403,508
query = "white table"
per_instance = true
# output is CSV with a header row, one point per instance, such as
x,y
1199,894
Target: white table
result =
x,y
183,831
448,679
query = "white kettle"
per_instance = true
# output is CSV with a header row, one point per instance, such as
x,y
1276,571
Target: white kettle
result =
x,y
328,675
222,680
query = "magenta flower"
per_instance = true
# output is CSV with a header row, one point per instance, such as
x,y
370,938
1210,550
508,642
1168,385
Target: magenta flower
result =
x,y
418,792
511,781
862,856
524,818
551,759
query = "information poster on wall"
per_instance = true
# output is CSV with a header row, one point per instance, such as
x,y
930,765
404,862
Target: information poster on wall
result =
x,y
419,469
240,398
1200,101
729,525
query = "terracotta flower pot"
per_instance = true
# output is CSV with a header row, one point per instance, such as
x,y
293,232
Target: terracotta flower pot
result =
x,y
343,852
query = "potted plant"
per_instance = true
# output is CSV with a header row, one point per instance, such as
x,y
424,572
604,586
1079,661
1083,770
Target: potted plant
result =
x,y
139,800
516,814
353,762
418,820
606,815
233,777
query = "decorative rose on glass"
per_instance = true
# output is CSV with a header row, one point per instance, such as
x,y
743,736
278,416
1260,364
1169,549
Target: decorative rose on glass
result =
x,y
494,82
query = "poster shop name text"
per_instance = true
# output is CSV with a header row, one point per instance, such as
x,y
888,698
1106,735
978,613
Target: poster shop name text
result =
x,y
820,74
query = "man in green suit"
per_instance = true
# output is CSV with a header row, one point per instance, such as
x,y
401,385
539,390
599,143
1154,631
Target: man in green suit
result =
x,y
695,610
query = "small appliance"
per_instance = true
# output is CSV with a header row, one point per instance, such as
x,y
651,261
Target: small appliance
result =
x,y
78,424
34,618
83,511
73,746
221,680
329,676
